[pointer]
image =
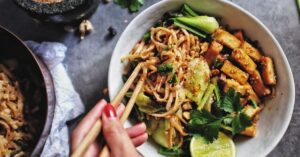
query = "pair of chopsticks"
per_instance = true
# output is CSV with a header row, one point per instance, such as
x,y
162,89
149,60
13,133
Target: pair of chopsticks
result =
x,y
96,129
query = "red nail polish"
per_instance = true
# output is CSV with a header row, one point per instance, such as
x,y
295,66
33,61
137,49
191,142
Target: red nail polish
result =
x,y
110,111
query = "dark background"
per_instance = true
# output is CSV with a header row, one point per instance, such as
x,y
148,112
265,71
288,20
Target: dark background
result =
x,y
87,61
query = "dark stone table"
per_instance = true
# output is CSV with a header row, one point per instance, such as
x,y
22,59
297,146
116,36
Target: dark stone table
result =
x,y
87,61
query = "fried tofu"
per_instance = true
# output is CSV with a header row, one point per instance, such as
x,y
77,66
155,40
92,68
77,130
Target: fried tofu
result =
x,y
268,72
227,39
239,35
230,83
245,90
251,51
250,131
244,60
250,111
213,51
251,94
258,85
234,72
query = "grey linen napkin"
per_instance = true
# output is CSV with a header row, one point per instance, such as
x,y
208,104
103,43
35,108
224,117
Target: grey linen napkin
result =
x,y
68,103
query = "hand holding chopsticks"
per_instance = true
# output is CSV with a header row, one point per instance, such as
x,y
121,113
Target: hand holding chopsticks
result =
x,y
105,151
122,142
95,130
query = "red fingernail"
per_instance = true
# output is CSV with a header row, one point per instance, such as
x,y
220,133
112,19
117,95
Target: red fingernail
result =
x,y
110,111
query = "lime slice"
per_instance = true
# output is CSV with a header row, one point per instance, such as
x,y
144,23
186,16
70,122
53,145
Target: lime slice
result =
x,y
222,147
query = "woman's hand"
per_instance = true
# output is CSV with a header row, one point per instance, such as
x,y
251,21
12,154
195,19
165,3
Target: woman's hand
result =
x,y
122,142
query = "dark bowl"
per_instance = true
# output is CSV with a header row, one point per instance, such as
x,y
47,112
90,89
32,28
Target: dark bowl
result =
x,y
35,82
65,12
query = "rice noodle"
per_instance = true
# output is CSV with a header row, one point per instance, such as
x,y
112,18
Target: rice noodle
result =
x,y
176,47
11,117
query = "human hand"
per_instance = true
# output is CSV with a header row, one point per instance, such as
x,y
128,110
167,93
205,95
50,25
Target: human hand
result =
x,y
122,142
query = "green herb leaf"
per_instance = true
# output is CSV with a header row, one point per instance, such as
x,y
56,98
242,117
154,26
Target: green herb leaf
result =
x,y
237,102
132,5
253,103
173,80
170,152
146,36
227,102
135,5
164,68
216,110
240,123
122,3
231,101
228,120
204,123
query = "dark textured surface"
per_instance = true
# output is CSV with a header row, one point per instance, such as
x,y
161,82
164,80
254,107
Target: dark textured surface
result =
x,y
36,7
87,61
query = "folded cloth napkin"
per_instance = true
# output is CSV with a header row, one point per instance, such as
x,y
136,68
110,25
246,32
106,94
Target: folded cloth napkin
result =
x,y
68,103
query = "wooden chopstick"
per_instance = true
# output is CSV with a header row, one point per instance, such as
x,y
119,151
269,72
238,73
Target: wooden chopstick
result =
x,y
96,129
129,106
117,100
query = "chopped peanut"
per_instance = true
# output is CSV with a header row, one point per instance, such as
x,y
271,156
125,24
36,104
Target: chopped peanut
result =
x,y
187,115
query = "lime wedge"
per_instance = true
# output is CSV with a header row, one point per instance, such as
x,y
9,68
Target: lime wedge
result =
x,y
222,147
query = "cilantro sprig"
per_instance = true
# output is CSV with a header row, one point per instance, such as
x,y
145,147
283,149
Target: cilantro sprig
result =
x,y
208,125
164,68
173,80
240,123
231,102
204,123
132,5
147,36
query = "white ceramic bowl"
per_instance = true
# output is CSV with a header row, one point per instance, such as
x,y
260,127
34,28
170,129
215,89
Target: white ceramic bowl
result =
x,y
275,117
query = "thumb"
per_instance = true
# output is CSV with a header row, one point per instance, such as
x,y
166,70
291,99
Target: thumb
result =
x,y
115,135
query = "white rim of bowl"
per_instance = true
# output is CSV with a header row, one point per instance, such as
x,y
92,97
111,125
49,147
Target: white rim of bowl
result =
x,y
282,54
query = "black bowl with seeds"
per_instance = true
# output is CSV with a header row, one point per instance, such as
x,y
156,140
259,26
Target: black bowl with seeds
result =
x,y
59,11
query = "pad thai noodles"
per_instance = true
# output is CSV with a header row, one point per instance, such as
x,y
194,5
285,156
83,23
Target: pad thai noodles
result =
x,y
202,79
16,132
